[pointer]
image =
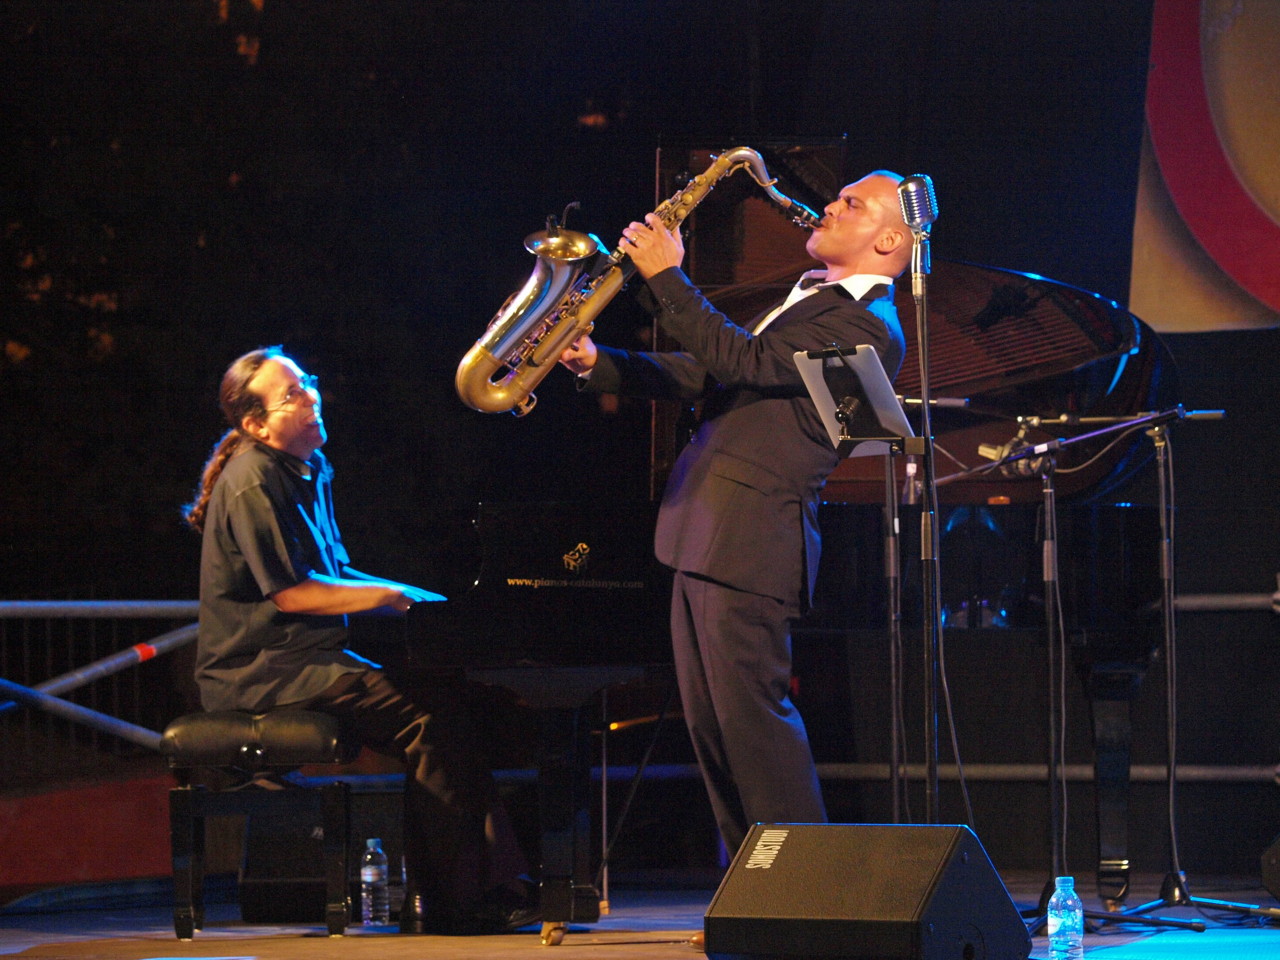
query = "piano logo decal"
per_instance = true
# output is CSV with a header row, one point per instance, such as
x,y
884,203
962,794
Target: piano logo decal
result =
x,y
575,563
575,560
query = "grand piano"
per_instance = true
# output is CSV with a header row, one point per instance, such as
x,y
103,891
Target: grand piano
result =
x,y
568,600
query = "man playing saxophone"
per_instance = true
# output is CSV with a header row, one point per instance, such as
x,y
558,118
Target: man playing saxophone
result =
x,y
738,520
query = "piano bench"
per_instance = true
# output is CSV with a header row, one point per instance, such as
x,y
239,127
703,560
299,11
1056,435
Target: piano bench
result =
x,y
252,751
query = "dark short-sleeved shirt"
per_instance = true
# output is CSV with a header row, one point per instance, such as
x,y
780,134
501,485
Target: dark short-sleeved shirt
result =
x,y
270,524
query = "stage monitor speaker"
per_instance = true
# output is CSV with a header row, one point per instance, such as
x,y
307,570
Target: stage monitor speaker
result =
x,y
863,892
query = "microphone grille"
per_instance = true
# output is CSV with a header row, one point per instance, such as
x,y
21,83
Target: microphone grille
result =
x,y
918,200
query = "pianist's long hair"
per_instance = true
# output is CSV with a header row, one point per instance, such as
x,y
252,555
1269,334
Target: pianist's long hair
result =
x,y
237,402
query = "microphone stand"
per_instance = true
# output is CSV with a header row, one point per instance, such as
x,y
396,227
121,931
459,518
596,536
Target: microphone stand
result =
x,y
1173,890
929,537
1045,462
893,589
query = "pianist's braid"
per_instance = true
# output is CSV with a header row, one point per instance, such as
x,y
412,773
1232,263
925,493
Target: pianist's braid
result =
x,y
237,402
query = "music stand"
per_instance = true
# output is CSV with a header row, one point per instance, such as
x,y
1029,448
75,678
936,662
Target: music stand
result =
x,y
863,417
855,400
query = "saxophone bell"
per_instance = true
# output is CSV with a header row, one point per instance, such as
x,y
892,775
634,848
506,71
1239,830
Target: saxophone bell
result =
x,y
500,370
574,279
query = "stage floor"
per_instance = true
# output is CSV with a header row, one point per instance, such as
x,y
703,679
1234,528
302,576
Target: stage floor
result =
x,y
102,923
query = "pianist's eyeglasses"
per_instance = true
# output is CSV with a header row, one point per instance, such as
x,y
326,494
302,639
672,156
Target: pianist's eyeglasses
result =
x,y
309,384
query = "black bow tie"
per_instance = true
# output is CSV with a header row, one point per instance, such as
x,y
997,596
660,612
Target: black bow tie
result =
x,y
807,282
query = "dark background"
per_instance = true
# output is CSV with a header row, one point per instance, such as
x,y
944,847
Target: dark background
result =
x,y
183,180
360,194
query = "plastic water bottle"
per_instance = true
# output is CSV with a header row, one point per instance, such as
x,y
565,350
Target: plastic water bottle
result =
x,y
1065,921
375,897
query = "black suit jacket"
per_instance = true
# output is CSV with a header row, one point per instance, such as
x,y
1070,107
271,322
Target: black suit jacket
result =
x,y
741,504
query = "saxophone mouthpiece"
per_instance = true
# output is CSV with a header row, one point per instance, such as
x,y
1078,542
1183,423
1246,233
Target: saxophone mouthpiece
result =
x,y
804,216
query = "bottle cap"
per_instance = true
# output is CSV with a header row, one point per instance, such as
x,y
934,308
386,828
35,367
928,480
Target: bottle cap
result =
x,y
373,842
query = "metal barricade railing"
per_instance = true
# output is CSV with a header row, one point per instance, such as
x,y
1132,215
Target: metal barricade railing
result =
x,y
70,704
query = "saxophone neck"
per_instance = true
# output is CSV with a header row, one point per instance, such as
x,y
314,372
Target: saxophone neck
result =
x,y
754,163
675,209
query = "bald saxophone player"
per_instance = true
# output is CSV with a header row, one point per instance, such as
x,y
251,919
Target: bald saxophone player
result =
x,y
738,520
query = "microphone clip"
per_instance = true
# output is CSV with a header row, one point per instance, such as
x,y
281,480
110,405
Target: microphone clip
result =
x,y
1022,467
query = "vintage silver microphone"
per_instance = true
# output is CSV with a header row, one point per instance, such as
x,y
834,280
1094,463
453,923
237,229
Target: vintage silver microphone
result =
x,y
919,201
919,205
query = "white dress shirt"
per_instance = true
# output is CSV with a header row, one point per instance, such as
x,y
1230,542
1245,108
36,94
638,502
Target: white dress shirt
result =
x,y
811,282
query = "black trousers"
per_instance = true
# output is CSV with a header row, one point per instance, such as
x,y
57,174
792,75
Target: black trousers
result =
x,y
458,842
733,666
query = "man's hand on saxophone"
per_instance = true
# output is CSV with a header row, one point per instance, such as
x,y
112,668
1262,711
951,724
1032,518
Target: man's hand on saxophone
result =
x,y
651,246
580,356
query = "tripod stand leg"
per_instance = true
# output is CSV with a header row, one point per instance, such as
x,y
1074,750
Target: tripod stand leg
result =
x,y
1173,893
1104,918
1095,919
1251,909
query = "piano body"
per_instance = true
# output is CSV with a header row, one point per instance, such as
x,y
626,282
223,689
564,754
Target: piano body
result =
x,y
568,600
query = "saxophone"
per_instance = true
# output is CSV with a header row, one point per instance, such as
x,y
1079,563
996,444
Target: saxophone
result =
x,y
562,298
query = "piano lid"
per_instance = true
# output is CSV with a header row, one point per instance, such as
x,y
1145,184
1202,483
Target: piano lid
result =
x,y
1017,345
558,584
991,328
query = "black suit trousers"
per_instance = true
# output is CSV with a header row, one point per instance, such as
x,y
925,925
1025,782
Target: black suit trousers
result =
x,y
733,665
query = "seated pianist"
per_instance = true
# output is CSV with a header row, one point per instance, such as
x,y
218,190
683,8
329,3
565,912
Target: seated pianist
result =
x,y
276,587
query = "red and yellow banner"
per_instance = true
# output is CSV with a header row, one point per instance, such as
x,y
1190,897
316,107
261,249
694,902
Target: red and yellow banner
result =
x,y
1206,252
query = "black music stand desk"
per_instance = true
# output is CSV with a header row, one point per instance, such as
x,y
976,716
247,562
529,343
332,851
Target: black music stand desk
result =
x,y
855,400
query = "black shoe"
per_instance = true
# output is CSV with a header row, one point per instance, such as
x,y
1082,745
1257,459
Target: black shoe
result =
x,y
505,909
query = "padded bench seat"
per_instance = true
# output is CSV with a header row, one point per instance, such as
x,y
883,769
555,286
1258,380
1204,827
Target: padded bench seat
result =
x,y
247,746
